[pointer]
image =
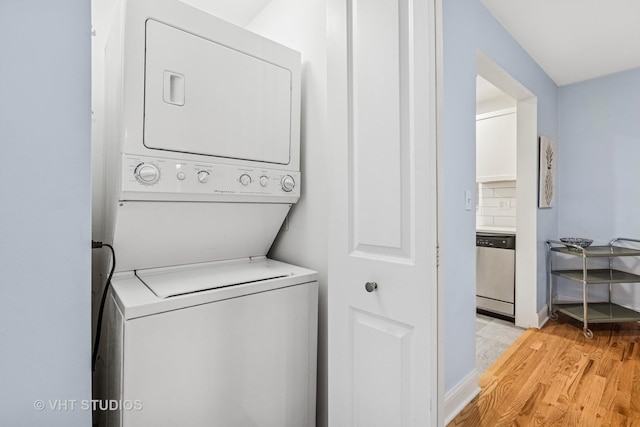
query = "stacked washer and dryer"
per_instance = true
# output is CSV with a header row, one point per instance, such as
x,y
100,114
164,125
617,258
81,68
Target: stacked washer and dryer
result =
x,y
202,168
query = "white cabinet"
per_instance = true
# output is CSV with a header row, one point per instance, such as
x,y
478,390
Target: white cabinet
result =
x,y
496,146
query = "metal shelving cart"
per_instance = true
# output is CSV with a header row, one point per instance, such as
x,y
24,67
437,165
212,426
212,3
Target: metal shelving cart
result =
x,y
597,312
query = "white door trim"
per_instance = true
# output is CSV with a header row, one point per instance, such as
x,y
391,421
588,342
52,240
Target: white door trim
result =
x,y
526,189
438,304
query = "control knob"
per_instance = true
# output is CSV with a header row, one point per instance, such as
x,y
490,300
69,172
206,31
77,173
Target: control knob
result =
x,y
245,179
203,176
147,173
287,183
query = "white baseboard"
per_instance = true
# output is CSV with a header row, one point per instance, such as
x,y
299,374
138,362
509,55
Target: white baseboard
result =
x,y
543,316
458,397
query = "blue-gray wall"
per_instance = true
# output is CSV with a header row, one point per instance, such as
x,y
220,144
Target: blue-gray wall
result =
x,y
469,26
45,336
599,157
598,154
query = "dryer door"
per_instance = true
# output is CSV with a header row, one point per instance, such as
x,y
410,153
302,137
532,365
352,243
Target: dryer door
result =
x,y
202,97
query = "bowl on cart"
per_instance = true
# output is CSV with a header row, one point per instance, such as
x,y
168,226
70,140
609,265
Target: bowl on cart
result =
x,y
572,242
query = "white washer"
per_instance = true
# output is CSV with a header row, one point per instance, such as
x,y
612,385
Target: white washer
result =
x,y
189,346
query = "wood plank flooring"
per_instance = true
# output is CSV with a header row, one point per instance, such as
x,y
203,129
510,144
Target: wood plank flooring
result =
x,y
556,377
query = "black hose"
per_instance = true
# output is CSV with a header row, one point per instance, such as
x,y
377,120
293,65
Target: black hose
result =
x,y
96,344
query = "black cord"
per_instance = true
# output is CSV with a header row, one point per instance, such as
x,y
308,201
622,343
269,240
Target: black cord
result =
x,y
96,344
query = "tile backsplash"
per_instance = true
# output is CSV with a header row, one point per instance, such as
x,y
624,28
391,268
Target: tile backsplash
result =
x,y
496,203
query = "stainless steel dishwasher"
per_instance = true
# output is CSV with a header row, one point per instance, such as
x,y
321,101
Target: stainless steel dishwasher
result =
x,y
495,273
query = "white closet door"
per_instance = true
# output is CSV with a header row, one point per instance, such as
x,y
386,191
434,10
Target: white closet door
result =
x,y
381,121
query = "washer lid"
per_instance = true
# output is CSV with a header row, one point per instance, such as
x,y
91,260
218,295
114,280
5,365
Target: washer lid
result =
x,y
166,284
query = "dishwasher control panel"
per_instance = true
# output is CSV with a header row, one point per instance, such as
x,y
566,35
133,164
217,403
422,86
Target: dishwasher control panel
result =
x,y
499,241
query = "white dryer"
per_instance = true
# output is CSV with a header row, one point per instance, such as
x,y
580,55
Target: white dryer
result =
x,y
202,168
202,137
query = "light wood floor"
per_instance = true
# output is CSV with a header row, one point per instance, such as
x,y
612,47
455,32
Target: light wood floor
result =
x,y
556,377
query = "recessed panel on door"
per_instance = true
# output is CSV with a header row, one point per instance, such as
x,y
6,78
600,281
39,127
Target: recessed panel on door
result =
x,y
381,171
381,367
202,97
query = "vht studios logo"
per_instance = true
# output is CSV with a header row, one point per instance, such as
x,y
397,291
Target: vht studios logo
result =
x,y
88,405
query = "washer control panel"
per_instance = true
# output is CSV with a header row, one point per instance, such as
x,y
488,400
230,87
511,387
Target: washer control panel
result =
x,y
147,173
159,175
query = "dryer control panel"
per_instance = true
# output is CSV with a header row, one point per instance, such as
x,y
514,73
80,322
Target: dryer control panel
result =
x,y
145,178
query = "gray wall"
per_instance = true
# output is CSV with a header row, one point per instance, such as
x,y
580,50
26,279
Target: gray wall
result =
x,y
598,152
45,334
468,27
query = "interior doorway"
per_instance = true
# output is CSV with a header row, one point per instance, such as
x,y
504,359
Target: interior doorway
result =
x,y
526,191
496,209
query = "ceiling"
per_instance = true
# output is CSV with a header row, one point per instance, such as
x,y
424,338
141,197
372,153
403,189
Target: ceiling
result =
x,y
574,40
490,98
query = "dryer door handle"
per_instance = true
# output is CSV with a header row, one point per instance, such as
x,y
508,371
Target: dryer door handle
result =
x,y
173,90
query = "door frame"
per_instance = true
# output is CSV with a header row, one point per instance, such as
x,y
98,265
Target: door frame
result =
x,y
526,286
438,305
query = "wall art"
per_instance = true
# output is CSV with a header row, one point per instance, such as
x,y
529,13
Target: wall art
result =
x,y
548,159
